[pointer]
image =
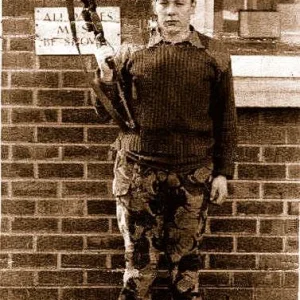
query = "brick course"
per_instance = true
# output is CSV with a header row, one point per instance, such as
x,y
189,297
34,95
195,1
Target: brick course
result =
x,y
59,235
23,207
16,243
88,261
13,60
34,261
34,153
59,243
16,97
16,278
21,44
58,98
66,207
30,294
37,79
29,115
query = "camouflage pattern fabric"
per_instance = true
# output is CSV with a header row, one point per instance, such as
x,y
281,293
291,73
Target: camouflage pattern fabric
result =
x,y
160,211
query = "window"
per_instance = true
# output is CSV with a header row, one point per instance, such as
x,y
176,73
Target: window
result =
x,y
261,26
263,37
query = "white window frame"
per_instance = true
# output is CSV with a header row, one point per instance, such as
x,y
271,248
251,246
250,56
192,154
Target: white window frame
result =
x,y
259,80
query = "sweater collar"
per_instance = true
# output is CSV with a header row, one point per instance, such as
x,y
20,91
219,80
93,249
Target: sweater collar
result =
x,y
193,38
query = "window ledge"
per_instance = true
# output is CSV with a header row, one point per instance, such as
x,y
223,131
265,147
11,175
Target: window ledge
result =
x,y
266,81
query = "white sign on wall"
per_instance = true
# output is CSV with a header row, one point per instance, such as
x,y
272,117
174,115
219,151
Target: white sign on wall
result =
x,y
54,36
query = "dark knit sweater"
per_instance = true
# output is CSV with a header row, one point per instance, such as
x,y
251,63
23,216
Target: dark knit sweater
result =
x,y
181,98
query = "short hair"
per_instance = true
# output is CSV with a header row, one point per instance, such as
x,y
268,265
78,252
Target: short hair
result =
x,y
192,1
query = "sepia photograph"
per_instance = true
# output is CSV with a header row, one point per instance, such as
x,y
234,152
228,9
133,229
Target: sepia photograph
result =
x,y
150,149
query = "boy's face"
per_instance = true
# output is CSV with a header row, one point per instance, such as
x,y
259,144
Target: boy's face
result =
x,y
173,16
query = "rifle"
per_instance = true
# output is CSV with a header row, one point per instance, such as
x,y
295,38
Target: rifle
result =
x,y
93,23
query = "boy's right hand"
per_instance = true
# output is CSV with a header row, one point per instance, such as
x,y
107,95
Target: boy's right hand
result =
x,y
102,54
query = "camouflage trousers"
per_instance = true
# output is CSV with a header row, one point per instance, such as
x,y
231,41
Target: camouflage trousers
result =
x,y
160,211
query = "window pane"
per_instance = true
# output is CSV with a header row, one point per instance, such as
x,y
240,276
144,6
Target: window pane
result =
x,y
271,24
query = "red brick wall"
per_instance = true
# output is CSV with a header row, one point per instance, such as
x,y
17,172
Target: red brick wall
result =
x,y
59,237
